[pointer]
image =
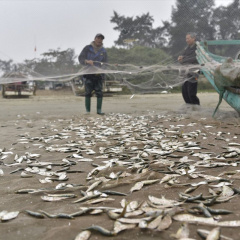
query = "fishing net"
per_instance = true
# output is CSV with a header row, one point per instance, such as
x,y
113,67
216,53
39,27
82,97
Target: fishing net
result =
x,y
227,75
139,79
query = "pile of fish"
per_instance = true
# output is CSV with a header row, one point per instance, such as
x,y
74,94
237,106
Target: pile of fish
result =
x,y
154,153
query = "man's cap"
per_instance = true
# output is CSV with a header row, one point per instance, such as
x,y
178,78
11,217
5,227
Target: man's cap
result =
x,y
99,35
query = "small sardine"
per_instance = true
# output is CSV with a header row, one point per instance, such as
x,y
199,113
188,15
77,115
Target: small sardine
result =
x,y
204,210
204,233
218,211
101,230
16,170
59,215
24,191
64,195
81,212
118,227
155,223
214,234
84,235
99,200
52,199
94,185
34,214
189,198
205,221
9,216
25,175
182,232
87,197
109,192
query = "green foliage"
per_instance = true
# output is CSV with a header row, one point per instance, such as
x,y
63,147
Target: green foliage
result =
x,y
228,21
138,29
6,66
138,55
53,62
198,16
190,16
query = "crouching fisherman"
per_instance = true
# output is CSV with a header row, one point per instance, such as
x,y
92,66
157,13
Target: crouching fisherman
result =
x,y
93,55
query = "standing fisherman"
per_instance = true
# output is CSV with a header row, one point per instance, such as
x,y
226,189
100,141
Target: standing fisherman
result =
x,y
94,55
189,88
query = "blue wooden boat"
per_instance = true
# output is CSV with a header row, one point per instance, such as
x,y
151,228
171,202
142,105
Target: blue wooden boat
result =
x,y
228,89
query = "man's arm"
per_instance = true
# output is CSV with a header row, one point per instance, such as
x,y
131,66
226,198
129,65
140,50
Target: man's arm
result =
x,y
106,57
82,58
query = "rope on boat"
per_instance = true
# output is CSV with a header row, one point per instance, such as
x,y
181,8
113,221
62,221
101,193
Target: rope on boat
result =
x,y
219,102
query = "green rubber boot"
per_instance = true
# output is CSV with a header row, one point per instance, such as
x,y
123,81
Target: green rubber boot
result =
x,y
99,106
88,104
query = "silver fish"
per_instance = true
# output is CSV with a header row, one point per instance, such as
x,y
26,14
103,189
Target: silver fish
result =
x,y
25,175
84,235
100,200
204,233
59,215
87,197
101,230
9,216
182,232
134,213
24,191
34,214
52,199
226,192
119,227
155,223
214,234
96,211
163,201
2,213
133,220
94,185
165,223
205,221
109,192
168,178
143,224
138,186
64,195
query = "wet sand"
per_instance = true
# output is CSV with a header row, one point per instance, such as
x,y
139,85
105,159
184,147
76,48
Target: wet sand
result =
x,y
22,121
54,104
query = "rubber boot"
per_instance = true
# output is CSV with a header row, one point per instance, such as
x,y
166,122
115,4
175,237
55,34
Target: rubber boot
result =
x,y
99,106
88,104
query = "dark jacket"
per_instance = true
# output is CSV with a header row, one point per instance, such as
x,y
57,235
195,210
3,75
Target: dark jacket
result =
x,y
89,54
189,55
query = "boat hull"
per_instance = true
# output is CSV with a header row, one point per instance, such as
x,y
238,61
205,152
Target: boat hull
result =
x,y
203,57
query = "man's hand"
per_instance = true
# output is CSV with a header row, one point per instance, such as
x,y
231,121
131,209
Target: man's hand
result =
x,y
180,58
90,62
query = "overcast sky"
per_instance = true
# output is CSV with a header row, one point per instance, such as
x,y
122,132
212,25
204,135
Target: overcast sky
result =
x,y
52,24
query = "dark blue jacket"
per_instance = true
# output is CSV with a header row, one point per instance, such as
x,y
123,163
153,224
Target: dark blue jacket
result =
x,y
89,54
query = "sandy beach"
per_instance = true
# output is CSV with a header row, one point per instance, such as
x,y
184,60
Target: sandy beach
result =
x,y
66,105
37,128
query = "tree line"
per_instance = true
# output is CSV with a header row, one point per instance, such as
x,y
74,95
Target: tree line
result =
x,y
140,43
